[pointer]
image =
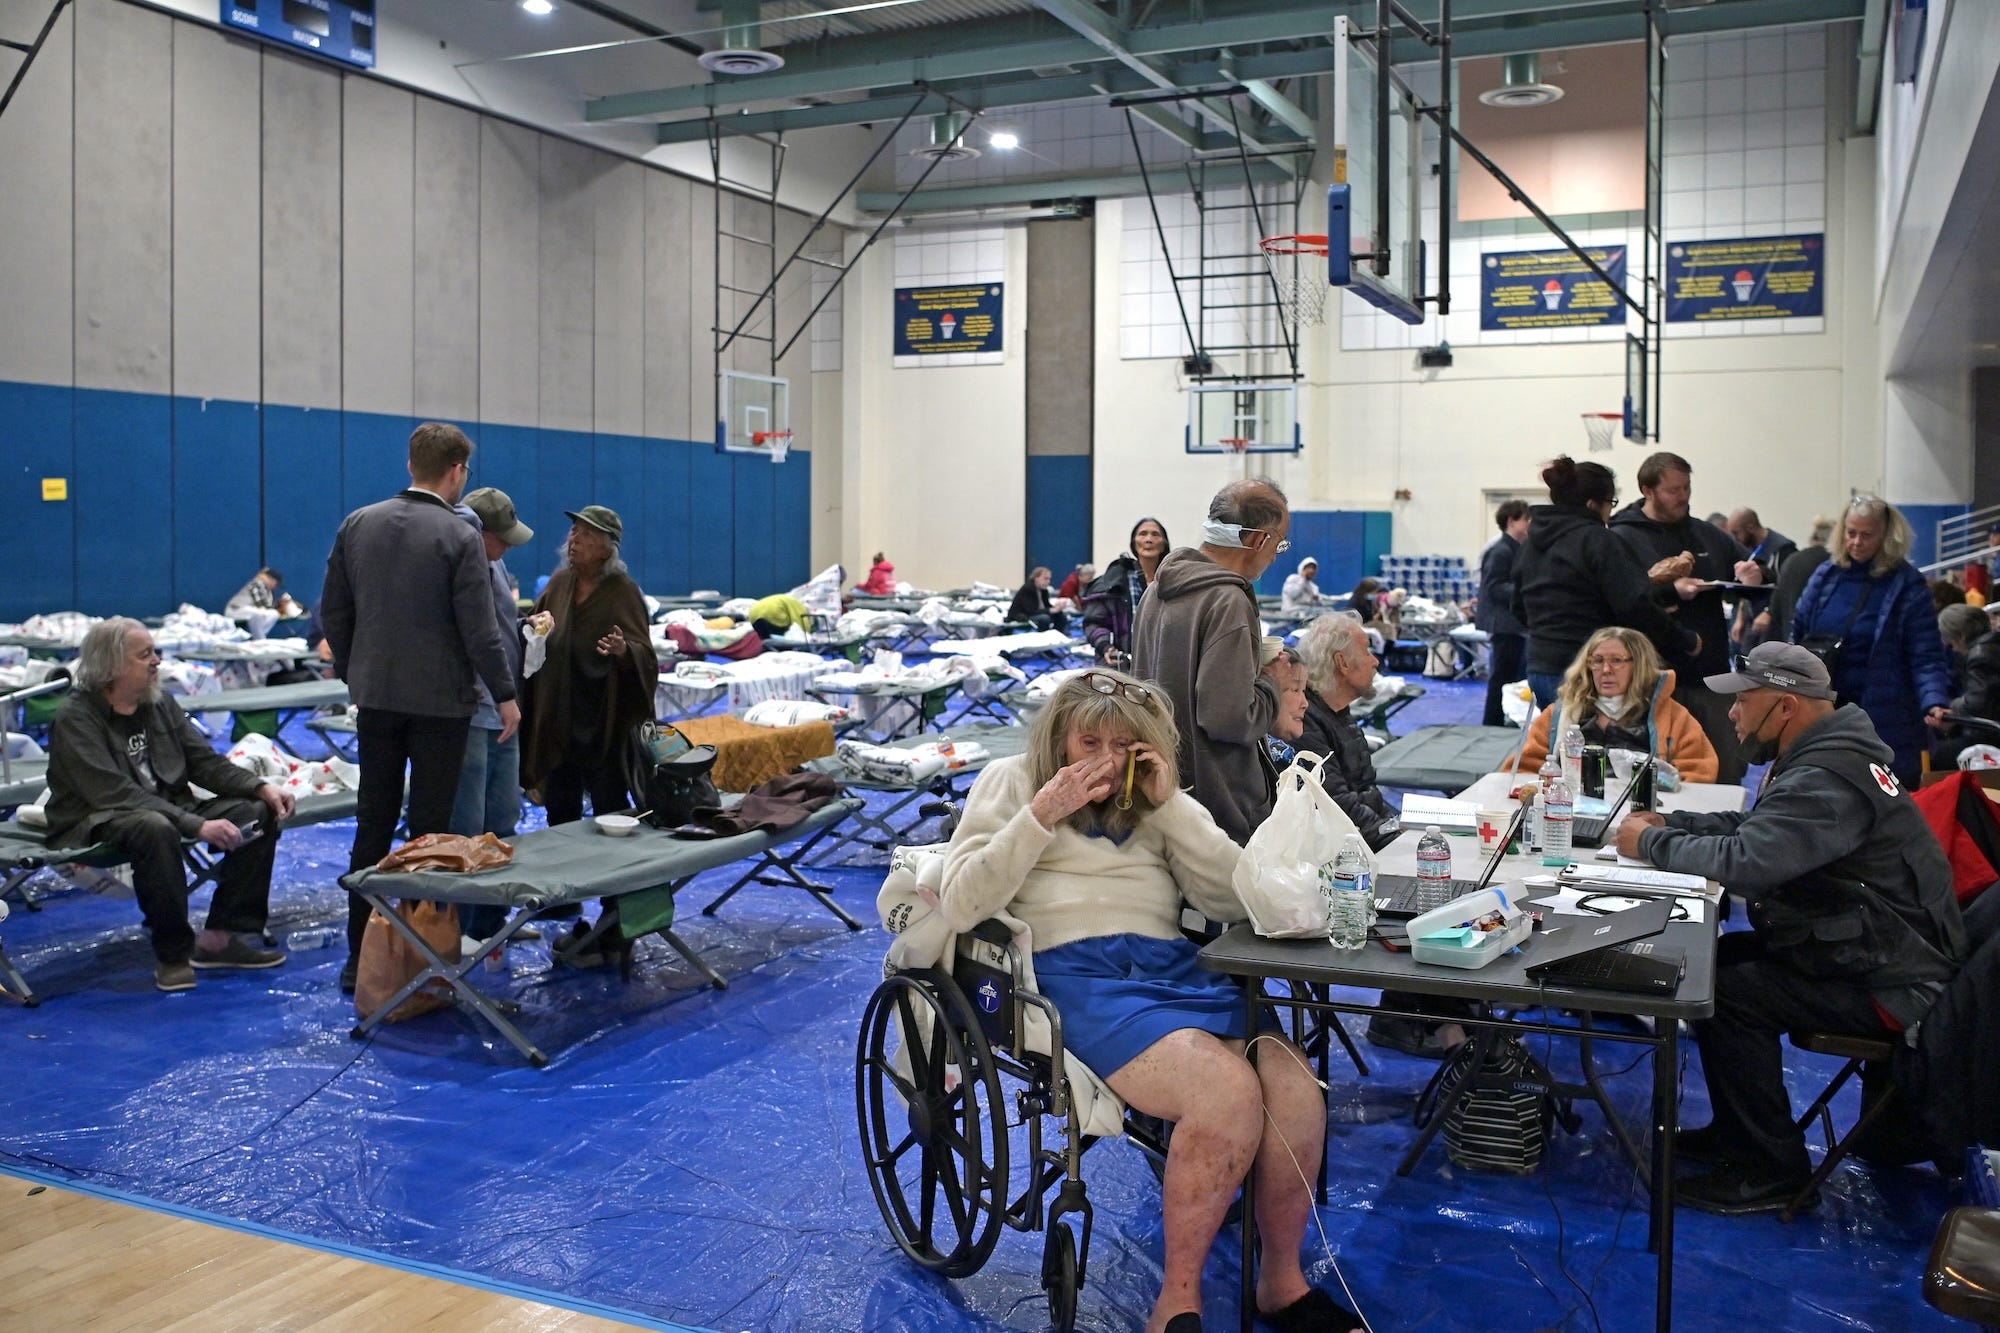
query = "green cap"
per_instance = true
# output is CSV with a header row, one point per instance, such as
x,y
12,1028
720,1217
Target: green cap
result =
x,y
604,520
497,516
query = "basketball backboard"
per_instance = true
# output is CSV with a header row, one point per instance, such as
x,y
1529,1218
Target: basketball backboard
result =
x,y
1375,203
755,414
1243,418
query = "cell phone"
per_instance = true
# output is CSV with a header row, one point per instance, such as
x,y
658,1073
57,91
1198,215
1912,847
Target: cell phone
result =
x,y
251,830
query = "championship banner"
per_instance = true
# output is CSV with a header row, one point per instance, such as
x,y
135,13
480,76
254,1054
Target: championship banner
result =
x,y
934,320
1761,277
1551,289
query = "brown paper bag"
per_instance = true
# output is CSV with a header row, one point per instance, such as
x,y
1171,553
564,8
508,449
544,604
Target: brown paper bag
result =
x,y
388,961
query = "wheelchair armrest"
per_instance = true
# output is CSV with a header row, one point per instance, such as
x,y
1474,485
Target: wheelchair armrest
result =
x,y
993,931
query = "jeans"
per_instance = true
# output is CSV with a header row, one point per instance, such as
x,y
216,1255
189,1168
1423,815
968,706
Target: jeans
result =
x,y
1507,662
488,801
152,844
431,749
1546,685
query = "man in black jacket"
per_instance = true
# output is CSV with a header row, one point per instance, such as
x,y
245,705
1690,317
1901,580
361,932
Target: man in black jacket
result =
x,y
1683,555
122,756
408,612
1768,549
1857,928
1506,636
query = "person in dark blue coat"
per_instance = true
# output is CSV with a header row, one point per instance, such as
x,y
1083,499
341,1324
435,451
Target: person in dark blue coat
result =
x,y
1868,612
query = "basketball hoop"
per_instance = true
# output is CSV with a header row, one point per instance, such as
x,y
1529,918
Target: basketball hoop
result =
x,y
779,442
1235,444
1301,283
1603,428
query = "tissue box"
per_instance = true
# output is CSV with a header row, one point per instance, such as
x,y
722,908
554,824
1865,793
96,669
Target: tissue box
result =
x,y
1444,921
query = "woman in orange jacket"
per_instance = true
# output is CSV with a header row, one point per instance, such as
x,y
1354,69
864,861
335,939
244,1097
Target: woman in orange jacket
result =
x,y
1625,701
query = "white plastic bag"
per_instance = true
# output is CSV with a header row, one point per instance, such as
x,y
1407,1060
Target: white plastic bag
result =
x,y
1277,877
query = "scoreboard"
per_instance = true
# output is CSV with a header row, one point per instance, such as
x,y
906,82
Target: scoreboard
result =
x,y
342,30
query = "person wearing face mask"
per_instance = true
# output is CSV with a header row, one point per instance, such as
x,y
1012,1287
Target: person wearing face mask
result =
x,y
1868,614
1574,576
1111,600
1618,694
1856,925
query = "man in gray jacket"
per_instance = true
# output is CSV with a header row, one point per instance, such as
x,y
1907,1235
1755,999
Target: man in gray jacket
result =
x,y
408,614
1197,637
1857,928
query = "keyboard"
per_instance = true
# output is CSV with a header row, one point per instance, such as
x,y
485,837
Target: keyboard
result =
x,y
1402,895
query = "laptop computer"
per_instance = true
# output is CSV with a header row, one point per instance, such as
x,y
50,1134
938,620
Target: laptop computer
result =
x,y
1609,952
1590,830
1404,896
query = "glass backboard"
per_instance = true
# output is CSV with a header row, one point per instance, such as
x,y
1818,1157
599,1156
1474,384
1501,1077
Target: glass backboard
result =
x,y
755,414
1243,418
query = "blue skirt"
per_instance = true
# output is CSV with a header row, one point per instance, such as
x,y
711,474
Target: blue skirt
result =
x,y
1118,994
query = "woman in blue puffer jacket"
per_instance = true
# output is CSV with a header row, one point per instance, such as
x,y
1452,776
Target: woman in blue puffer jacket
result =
x,y
1869,612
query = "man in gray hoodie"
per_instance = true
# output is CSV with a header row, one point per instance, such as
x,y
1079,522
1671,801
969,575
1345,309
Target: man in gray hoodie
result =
x,y
1857,929
1197,635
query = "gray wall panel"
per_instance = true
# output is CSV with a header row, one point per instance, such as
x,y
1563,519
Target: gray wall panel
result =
x,y
218,112
1062,261
377,256
701,314
671,314
509,228
794,300
301,233
620,326
568,284
37,262
445,359
124,197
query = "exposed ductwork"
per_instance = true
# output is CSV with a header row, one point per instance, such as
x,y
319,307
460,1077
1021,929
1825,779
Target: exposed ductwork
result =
x,y
1521,83
739,53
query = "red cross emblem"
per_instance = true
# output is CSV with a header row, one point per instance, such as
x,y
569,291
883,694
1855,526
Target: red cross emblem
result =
x,y
1885,780
1488,830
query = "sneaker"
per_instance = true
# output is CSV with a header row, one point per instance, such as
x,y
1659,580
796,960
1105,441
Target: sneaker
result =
x,y
236,956
1744,1191
1706,1146
348,972
173,976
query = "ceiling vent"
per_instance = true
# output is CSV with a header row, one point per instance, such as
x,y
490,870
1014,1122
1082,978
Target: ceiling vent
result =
x,y
739,53
1521,84
947,140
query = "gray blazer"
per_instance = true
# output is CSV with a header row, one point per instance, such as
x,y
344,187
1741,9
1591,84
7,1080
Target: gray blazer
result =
x,y
408,610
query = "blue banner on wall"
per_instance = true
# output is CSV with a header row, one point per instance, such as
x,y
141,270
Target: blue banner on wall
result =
x,y
1551,289
1758,277
931,321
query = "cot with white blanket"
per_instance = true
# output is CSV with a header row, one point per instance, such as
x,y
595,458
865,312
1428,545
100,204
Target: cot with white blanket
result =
x,y
953,1015
572,862
697,689
1034,651
941,779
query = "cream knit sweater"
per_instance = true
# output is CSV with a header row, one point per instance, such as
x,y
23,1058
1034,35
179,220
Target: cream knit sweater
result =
x,y
1069,887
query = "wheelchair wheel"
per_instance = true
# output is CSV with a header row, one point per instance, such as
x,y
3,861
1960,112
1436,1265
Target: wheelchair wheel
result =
x,y
935,1141
1059,1276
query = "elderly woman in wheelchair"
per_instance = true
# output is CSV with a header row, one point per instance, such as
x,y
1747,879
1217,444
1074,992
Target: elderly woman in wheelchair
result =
x,y
1087,841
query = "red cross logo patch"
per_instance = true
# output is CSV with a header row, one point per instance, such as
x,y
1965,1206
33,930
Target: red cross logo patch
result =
x,y
1885,780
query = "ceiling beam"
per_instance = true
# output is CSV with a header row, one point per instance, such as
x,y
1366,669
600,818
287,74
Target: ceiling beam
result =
x,y
1050,190
1559,33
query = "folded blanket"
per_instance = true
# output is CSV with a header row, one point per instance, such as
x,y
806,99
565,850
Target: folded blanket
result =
x,y
793,712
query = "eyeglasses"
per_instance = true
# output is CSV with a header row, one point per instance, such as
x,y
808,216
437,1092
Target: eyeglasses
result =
x,y
1283,544
1606,663
1111,685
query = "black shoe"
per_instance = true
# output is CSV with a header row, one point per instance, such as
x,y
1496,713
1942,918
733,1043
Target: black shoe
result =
x,y
348,970
236,956
1743,1191
1409,1035
1707,1146
1314,1312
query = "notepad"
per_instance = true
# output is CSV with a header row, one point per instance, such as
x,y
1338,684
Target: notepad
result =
x,y
1419,810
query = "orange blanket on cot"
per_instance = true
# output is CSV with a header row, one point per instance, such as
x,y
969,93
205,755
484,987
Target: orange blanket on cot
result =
x,y
747,755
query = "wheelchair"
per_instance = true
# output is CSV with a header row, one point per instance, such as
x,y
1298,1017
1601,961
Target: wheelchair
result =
x,y
935,1135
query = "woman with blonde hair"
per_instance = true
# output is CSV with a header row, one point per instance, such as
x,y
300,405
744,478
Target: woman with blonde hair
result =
x,y
1868,614
1088,838
1619,695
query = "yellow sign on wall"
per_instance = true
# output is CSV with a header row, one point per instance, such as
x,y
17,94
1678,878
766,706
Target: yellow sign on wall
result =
x,y
55,488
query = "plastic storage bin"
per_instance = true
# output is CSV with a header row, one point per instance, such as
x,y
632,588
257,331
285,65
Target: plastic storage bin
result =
x,y
1469,908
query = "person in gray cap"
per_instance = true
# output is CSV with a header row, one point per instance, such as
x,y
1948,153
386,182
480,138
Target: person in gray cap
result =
x,y
489,781
1856,928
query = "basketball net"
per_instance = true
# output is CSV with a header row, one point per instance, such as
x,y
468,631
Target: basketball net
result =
x,y
1298,276
1603,429
779,442
1236,445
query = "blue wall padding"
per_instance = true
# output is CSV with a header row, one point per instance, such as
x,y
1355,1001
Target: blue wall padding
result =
x,y
218,453
124,524
1348,543
303,493
1059,508
1923,521
177,500
38,537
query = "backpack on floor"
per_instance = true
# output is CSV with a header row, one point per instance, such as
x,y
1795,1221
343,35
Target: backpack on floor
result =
x,y
1503,1123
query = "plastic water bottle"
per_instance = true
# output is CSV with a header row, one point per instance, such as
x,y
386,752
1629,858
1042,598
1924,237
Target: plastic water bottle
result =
x,y
1433,869
319,937
1350,889
1572,759
1558,816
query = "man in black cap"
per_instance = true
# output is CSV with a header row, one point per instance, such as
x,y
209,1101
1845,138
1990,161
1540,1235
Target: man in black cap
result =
x,y
1856,926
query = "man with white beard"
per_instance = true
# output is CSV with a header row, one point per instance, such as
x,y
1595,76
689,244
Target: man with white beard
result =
x,y
122,756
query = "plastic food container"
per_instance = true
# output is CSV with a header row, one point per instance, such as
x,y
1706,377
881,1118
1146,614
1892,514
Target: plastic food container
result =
x,y
617,826
1471,907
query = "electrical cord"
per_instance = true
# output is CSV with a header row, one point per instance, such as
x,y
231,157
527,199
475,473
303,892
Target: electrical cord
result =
x,y
1562,1266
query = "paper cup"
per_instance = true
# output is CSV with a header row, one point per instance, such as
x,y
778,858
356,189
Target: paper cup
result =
x,y
1492,826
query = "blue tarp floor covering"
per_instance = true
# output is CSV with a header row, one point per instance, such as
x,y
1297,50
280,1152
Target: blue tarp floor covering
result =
x,y
690,1157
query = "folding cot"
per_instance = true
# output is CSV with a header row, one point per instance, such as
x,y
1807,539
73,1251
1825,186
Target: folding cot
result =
x,y
283,702
881,829
573,862
1444,759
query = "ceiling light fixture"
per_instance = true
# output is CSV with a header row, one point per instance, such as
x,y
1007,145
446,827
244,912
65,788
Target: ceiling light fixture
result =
x,y
1521,84
539,8
1004,140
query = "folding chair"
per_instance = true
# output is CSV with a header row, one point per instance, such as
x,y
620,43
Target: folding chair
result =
x,y
1856,1051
